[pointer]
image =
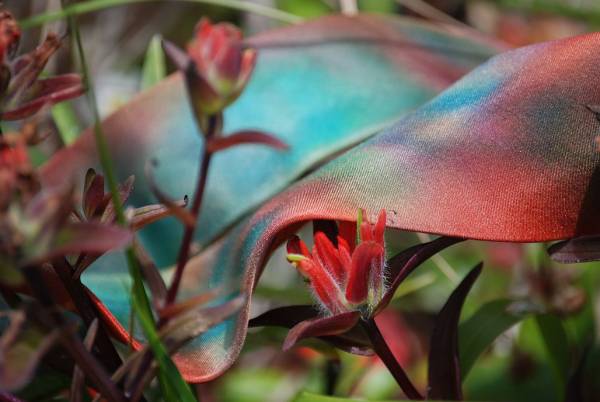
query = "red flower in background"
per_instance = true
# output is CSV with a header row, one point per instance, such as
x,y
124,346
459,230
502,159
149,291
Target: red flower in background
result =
x,y
348,277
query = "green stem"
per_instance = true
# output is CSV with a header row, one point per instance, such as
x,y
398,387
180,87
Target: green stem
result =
x,y
96,5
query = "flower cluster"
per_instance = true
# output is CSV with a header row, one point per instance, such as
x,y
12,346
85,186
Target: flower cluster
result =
x,y
349,276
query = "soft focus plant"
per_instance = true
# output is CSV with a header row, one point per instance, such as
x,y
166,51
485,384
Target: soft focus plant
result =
x,y
51,234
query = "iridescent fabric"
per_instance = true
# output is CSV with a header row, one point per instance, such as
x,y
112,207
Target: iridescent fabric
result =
x,y
321,87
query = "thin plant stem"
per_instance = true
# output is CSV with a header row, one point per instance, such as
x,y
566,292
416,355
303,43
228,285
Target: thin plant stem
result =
x,y
385,354
97,5
213,129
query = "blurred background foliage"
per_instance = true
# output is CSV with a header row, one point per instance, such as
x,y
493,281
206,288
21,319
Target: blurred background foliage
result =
x,y
557,307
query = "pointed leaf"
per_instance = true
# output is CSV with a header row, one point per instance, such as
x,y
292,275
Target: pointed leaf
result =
x,y
402,264
89,237
154,69
245,137
322,326
444,370
75,393
286,317
66,121
352,341
579,249
480,330
152,213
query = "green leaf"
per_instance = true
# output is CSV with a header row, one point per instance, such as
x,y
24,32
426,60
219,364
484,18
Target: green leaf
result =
x,y
154,68
66,122
554,337
478,332
175,389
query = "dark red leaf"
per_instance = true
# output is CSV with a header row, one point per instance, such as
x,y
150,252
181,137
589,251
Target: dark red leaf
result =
x,y
77,382
93,195
353,341
401,265
86,237
175,207
580,249
322,326
125,189
151,274
444,367
177,55
285,317
47,92
245,137
151,213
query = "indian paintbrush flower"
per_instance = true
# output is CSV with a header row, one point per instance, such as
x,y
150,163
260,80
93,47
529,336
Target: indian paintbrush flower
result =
x,y
349,277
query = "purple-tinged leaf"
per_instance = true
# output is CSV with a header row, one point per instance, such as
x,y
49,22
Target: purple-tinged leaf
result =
x,y
177,55
178,211
125,190
444,368
402,264
247,137
87,237
144,216
75,393
151,274
286,317
576,250
175,309
322,326
355,340
93,194
47,92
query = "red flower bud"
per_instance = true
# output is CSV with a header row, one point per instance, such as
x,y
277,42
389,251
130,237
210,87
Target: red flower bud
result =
x,y
221,66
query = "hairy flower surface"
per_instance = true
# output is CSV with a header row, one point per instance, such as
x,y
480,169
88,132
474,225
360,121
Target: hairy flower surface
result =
x,y
349,276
